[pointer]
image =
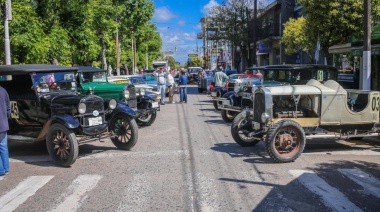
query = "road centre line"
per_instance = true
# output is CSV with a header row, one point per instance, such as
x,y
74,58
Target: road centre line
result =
x,y
28,187
331,196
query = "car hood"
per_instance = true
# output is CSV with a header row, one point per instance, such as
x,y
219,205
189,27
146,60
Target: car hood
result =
x,y
105,90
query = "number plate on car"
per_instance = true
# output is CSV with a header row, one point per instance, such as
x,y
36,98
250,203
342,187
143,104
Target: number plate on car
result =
x,y
95,121
226,102
154,104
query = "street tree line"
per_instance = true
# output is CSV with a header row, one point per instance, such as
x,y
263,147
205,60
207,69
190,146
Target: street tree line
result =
x,y
326,21
82,32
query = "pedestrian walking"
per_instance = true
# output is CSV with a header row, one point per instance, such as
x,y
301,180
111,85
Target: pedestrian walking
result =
x,y
182,81
171,85
5,112
220,77
161,83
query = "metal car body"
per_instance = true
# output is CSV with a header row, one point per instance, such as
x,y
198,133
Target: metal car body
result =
x,y
205,82
138,81
283,116
142,106
46,107
232,102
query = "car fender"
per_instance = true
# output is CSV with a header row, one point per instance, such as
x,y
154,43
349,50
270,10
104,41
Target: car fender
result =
x,y
123,108
66,120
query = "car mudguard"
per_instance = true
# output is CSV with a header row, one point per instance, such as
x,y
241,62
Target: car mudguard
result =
x,y
66,120
123,108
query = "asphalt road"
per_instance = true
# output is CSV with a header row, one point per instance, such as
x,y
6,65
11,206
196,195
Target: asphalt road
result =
x,y
188,161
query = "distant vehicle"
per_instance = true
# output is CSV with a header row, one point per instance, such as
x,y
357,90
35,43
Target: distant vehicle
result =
x,y
229,72
157,64
193,72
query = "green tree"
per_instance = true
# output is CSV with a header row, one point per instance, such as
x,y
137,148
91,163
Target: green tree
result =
x,y
334,22
295,37
233,24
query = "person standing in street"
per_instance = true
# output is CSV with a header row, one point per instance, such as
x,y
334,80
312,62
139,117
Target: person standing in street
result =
x,y
182,81
161,83
5,112
171,84
220,78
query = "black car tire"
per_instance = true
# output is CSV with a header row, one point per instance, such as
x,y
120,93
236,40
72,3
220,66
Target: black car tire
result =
x,y
285,141
200,90
228,116
147,119
62,145
240,138
215,103
125,130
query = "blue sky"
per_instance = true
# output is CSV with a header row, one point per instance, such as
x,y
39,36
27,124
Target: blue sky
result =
x,y
178,22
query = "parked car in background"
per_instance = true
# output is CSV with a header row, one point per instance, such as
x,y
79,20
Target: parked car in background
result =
x,y
46,107
283,116
142,106
232,102
151,80
204,83
229,72
193,73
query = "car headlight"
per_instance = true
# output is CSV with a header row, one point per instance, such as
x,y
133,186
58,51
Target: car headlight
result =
x,y
112,104
142,91
82,108
126,94
265,117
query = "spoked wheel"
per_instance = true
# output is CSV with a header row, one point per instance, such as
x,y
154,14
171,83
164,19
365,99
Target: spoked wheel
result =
x,y
62,145
239,124
125,130
228,116
285,141
146,119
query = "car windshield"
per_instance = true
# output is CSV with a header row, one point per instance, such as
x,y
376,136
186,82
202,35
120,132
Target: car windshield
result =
x,y
194,71
149,77
94,77
45,82
277,75
137,80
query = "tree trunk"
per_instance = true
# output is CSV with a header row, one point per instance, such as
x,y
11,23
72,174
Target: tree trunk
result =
x,y
103,55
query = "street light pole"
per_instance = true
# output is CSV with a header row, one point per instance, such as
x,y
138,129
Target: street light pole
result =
x,y
365,83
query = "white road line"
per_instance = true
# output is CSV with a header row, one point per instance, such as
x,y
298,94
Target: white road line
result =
x,y
75,194
22,192
369,183
331,196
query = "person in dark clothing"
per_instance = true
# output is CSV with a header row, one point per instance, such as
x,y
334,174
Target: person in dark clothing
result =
x,y
5,112
182,81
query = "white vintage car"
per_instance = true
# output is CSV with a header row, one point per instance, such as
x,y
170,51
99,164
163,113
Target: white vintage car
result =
x,y
283,116
136,80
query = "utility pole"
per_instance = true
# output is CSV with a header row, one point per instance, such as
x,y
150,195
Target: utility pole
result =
x,y
7,17
117,49
365,82
254,57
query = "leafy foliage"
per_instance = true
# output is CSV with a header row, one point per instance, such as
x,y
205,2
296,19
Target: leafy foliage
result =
x,y
330,22
82,33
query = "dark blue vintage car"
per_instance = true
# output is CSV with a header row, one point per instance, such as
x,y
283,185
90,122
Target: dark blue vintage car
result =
x,y
46,107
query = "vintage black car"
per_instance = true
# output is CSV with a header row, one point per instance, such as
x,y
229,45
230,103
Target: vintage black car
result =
x,y
46,107
142,103
233,102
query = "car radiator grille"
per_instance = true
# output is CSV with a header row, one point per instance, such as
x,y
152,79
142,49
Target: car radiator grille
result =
x,y
92,105
258,106
231,86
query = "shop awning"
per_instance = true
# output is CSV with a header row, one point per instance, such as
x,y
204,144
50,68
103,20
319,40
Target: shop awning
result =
x,y
339,49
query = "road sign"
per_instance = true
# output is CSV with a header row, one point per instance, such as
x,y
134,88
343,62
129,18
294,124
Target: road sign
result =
x,y
192,55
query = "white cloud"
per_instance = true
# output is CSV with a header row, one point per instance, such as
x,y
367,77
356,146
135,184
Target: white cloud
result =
x,y
206,9
181,23
163,14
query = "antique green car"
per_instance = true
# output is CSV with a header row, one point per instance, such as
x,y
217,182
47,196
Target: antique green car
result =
x,y
143,103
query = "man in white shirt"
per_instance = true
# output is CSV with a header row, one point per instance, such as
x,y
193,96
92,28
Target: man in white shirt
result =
x,y
161,83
